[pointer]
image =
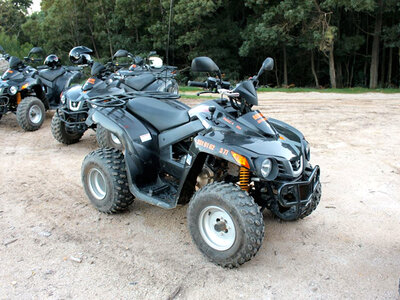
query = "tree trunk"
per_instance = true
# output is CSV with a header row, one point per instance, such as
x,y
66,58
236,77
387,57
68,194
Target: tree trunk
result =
x,y
313,70
339,75
352,71
107,25
366,61
383,69
276,74
390,63
332,72
373,74
285,75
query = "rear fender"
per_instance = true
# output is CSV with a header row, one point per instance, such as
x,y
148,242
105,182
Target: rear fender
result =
x,y
139,142
73,79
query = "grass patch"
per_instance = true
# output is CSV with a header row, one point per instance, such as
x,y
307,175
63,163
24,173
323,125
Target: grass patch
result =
x,y
355,90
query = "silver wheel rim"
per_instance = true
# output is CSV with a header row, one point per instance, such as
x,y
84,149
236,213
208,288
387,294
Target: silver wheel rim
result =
x,y
35,114
217,228
115,139
97,184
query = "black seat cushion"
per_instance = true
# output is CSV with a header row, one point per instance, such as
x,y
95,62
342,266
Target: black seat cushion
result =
x,y
162,115
51,74
138,83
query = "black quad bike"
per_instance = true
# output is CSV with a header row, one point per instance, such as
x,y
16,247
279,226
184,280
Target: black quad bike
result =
x,y
28,92
69,122
154,75
3,54
227,161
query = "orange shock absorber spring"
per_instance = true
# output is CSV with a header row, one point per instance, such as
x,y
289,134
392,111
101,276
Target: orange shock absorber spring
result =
x,y
244,179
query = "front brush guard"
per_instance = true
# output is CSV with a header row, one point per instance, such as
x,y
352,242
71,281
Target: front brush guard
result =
x,y
70,119
301,190
297,197
4,102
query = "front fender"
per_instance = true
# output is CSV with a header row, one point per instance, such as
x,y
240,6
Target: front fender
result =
x,y
30,85
216,148
287,130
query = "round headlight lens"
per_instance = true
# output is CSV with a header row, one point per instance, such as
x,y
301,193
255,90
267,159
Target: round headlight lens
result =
x,y
266,167
63,99
13,90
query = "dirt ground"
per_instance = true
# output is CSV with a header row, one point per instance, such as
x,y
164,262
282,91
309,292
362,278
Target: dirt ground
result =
x,y
54,244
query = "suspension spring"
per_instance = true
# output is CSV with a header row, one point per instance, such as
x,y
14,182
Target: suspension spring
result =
x,y
244,179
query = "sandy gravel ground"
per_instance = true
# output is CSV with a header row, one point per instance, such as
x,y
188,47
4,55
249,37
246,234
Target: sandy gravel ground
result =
x,y
54,244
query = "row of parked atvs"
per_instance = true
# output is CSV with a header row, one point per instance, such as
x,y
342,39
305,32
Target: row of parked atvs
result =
x,y
228,161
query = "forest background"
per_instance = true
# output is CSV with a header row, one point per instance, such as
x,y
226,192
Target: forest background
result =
x,y
315,43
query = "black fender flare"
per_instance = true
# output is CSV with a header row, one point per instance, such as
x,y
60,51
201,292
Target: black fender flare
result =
x,y
130,131
201,148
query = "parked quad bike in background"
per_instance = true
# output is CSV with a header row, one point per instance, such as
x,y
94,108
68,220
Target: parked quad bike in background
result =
x,y
28,92
155,75
3,54
246,162
68,123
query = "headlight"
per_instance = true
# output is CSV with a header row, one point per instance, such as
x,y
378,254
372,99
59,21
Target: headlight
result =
x,y
13,90
266,167
63,99
307,151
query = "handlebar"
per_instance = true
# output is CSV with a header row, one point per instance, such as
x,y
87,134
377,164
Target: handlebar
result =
x,y
198,84
225,84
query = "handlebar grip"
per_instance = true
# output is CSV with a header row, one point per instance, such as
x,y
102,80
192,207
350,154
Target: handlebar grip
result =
x,y
225,85
198,84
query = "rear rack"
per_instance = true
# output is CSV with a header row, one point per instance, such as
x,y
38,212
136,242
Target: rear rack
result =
x,y
121,99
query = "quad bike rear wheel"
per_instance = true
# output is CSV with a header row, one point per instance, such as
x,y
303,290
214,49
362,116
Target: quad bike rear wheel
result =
x,y
60,132
30,113
107,139
225,224
105,181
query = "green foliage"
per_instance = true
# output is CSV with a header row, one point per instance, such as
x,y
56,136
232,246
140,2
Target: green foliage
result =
x,y
236,34
13,47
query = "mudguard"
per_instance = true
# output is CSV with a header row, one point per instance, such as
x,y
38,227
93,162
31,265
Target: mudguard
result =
x,y
213,144
29,84
287,130
141,152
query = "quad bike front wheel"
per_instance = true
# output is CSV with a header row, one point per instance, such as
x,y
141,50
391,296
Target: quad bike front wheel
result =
x,y
60,132
105,182
225,224
106,138
30,113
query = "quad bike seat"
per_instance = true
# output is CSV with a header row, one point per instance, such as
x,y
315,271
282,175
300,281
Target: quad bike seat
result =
x,y
139,82
51,75
162,115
